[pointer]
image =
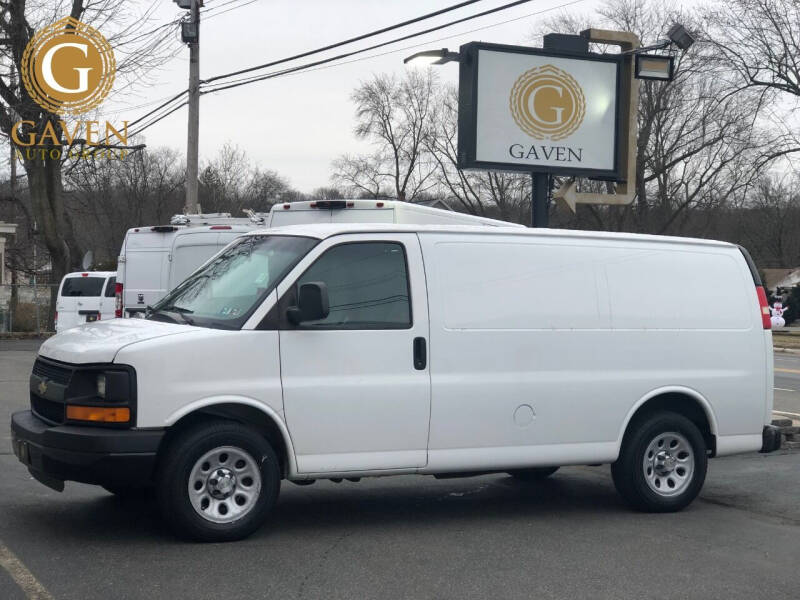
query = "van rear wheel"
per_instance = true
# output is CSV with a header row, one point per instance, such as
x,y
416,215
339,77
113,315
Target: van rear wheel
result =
x,y
218,482
533,474
662,464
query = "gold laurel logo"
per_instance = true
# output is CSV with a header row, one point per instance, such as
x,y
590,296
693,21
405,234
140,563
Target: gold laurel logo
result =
x,y
547,103
68,67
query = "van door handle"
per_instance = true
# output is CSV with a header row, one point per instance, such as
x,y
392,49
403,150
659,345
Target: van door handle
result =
x,y
420,354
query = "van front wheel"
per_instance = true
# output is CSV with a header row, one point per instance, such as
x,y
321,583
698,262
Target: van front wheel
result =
x,y
217,482
662,464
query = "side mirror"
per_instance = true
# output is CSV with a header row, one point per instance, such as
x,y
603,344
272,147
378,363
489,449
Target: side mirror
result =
x,y
312,303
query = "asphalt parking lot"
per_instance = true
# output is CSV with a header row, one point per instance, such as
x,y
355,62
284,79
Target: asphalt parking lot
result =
x,y
411,537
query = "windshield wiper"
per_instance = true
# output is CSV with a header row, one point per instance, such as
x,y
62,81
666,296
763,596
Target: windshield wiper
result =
x,y
178,310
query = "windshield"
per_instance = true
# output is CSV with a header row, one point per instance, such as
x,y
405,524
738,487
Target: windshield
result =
x,y
225,292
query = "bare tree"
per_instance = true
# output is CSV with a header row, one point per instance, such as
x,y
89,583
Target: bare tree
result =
x,y
140,47
502,195
109,197
393,114
230,182
699,147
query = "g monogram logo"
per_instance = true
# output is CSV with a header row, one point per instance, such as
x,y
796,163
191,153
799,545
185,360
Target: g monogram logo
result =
x,y
547,103
68,67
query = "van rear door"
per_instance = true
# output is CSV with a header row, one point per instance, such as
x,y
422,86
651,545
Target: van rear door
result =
x,y
146,256
108,300
79,300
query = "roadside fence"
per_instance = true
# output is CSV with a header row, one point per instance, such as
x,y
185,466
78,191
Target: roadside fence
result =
x,y
25,308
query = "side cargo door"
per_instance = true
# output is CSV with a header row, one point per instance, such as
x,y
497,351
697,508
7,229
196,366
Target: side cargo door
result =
x,y
356,384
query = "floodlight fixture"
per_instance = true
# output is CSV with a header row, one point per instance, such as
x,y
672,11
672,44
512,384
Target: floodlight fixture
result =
x,y
679,36
658,67
433,57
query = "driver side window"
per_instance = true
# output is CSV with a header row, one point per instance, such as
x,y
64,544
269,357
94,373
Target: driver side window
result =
x,y
367,286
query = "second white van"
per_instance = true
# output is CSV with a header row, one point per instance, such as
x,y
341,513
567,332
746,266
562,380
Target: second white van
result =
x,y
345,351
85,297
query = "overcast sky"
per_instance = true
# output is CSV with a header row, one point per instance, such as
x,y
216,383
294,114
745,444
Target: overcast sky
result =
x,y
297,124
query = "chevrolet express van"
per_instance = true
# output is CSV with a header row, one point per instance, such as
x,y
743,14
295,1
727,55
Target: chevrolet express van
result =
x,y
85,297
345,351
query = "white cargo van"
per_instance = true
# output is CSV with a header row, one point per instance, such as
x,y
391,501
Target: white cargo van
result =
x,y
345,351
85,297
153,260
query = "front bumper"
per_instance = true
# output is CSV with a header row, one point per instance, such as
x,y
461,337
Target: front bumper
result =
x,y
110,457
770,439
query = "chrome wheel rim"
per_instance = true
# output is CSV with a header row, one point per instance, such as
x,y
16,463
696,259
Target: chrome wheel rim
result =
x,y
668,464
224,484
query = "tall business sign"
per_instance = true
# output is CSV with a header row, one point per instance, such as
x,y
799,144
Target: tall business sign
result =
x,y
540,111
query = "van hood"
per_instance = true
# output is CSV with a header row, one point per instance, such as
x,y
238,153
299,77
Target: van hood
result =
x,y
99,342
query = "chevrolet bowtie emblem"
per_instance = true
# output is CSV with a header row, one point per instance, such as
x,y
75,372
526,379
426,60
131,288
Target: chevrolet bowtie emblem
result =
x,y
42,387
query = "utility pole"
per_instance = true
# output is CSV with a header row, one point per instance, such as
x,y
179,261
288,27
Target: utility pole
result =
x,y
190,34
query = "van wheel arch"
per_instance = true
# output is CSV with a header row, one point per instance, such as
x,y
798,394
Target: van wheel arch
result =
x,y
240,413
681,403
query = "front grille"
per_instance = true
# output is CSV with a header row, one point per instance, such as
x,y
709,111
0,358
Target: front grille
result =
x,y
52,372
47,409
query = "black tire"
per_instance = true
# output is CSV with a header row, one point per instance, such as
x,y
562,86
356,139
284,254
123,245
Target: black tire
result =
x,y
533,474
635,480
183,453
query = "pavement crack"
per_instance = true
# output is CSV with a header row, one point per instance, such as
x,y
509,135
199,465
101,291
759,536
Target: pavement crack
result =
x,y
773,516
322,560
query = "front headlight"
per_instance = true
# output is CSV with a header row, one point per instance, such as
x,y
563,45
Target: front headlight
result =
x,y
102,394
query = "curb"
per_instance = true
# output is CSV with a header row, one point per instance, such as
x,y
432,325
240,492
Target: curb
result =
x,y
786,350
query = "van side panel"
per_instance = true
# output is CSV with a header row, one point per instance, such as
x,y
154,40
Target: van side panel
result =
x,y
541,347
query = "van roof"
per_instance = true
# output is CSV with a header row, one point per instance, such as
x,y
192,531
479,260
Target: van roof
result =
x,y
325,230
193,228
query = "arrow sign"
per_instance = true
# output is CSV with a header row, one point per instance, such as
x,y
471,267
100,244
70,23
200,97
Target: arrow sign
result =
x,y
625,190
571,197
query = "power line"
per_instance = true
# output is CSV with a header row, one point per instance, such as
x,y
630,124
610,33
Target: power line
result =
x,y
323,61
443,38
342,43
207,16
304,54
166,110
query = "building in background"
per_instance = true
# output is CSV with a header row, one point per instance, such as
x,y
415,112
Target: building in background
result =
x,y
6,230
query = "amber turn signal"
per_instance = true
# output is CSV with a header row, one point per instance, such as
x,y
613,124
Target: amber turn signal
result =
x,y
99,414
